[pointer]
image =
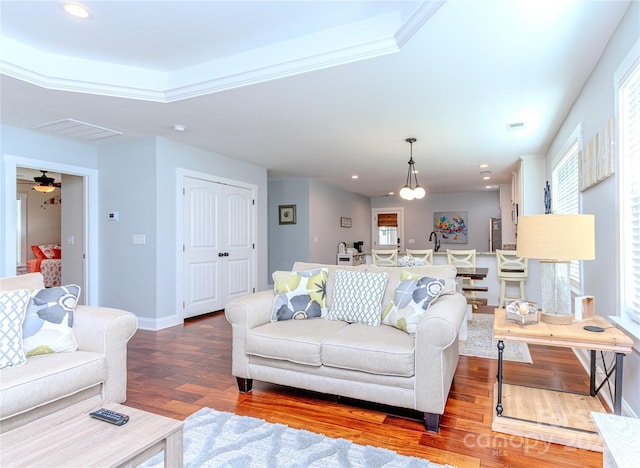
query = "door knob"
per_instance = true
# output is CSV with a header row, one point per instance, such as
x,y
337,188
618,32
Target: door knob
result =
x,y
220,254
226,254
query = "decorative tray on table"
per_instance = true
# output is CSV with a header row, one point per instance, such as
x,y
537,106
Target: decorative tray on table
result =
x,y
522,313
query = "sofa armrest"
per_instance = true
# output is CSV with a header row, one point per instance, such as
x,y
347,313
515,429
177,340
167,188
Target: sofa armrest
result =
x,y
245,313
107,331
436,351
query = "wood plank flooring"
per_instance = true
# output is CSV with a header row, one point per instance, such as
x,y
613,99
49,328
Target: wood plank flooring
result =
x,y
176,371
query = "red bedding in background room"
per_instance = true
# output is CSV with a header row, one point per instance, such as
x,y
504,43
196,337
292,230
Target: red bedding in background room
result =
x,y
48,261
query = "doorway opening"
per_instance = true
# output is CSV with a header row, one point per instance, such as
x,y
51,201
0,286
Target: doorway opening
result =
x,y
387,228
79,231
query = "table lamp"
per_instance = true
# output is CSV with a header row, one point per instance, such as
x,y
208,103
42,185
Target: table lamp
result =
x,y
556,240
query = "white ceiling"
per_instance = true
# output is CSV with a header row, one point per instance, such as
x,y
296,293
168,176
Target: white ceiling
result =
x,y
323,89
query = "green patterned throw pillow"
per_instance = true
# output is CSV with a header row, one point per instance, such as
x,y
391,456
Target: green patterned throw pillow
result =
x,y
13,305
357,297
411,300
299,295
48,325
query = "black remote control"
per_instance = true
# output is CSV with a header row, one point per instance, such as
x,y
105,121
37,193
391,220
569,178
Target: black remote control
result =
x,y
110,416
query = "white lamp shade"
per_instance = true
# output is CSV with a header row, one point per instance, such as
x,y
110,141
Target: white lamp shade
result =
x,y
558,237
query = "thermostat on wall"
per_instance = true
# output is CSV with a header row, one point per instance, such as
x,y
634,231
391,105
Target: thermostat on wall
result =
x,y
114,216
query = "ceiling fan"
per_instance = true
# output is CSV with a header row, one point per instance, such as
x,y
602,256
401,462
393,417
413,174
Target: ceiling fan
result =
x,y
45,184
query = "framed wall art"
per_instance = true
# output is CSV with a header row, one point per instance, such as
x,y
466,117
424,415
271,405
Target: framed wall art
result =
x,y
345,222
287,214
451,226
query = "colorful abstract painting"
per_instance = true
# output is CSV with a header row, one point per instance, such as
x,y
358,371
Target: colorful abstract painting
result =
x,y
451,226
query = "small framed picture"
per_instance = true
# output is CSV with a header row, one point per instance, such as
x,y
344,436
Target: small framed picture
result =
x,y
287,214
345,222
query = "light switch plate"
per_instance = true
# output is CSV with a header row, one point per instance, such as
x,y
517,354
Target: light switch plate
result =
x,y
139,239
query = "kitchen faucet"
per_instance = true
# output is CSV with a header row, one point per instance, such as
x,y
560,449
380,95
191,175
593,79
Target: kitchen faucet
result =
x,y
436,246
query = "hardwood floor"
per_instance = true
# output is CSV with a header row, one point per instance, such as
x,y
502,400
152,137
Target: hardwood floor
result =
x,y
176,371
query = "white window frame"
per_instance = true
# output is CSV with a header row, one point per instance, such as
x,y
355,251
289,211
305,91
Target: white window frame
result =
x,y
629,312
571,148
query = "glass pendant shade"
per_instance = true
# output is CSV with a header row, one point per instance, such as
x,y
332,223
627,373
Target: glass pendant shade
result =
x,y
44,188
407,193
411,189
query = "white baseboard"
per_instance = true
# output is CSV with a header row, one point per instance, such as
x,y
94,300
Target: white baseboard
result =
x,y
159,324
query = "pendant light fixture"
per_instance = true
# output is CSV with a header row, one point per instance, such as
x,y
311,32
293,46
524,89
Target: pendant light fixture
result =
x,y
44,184
411,191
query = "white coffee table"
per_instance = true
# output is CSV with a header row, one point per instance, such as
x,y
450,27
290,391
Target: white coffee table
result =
x,y
71,437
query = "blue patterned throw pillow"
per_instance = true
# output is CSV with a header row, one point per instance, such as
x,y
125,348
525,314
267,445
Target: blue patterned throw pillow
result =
x,y
13,305
357,297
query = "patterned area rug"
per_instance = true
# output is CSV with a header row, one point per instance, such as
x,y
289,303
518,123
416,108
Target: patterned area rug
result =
x,y
218,439
480,342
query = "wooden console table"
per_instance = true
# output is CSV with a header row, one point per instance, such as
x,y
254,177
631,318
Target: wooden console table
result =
x,y
556,416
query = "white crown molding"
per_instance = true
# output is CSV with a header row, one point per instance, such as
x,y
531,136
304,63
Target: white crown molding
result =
x,y
417,20
373,37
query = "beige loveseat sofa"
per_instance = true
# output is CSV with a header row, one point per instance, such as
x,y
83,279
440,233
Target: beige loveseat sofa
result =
x,y
380,364
49,382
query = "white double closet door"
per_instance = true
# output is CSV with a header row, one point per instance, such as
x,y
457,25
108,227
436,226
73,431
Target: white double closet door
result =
x,y
219,245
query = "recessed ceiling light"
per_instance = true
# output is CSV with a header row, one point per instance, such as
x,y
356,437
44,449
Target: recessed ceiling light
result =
x,y
179,128
486,175
516,126
488,186
391,193
484,166
76,9
354,176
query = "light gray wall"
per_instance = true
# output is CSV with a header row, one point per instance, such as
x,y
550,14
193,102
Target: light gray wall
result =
x,y
73,225
28,144
43,221
418,216
288,243
316,235
139,179
593,108
128,186
327,205
172,156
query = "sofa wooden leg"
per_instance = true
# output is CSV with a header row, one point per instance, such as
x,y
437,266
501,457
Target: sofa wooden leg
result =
x,y
244,385
432,422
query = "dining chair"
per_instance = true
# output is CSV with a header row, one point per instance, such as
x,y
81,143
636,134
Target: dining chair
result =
x,y
511,269
426,255
384,257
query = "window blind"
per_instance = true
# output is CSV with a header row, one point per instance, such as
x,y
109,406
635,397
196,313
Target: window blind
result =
x,y
388,219
629,123
566,199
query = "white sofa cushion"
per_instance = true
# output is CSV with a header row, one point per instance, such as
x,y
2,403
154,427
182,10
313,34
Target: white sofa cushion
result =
x,y
292,340
47,378
377,350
